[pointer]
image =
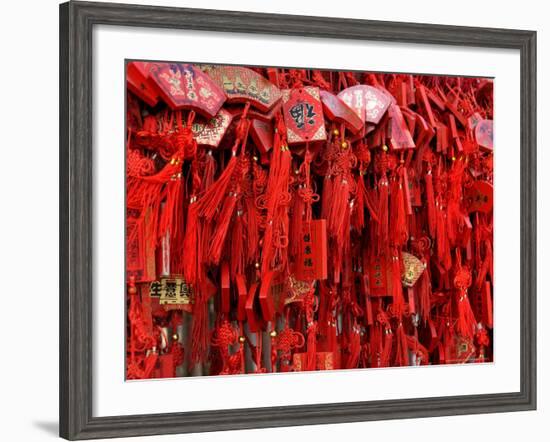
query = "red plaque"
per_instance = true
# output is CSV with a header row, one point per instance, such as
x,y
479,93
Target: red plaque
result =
x,y
369,103
311,262
184,86
479,197
336,110
211,132
303,113
140,83
243,85
484,134
378,277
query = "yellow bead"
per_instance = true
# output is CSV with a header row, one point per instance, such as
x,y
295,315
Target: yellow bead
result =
x,y
242,339
454,158
175,337
385,148
344,145
273,334
336,132
257,265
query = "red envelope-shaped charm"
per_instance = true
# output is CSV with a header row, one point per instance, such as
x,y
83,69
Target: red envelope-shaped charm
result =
x,y
484,134
400,137
211,132
311,262
262,134
140,83
369,103
336,110
242,85
378,276
479,197
303,114
183,86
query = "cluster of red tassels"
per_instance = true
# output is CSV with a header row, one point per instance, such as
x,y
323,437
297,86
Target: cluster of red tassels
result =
x,y
288,220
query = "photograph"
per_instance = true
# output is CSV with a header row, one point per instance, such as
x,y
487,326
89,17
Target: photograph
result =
x,y
283,220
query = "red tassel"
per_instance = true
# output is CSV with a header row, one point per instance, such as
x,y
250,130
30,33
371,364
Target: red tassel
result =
x,y
358,222
466,320
382,226
338,221
222,227
252,231
398,219
340,204
424,290
217,192
237,248
199,329
278,197
364,200
396,286
430,202
387,347
296,224
402,350
191,244
171,219
326,197
354,338
209,170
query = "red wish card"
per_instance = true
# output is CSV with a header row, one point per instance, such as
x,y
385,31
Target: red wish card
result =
x,y
140,83
184,86
242,85
336,110
369,103
303,113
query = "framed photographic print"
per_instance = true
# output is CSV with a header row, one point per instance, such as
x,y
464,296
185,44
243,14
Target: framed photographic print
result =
x,y
272,220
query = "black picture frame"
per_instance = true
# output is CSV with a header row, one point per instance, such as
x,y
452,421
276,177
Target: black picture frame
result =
x,y
77,20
